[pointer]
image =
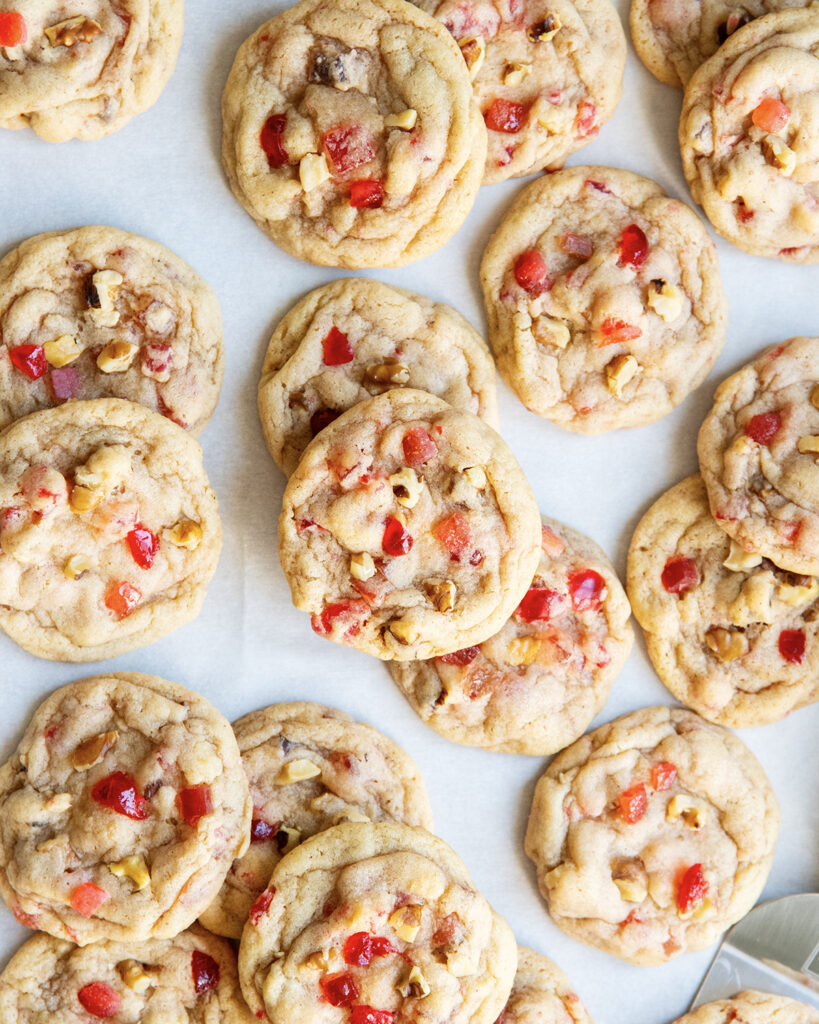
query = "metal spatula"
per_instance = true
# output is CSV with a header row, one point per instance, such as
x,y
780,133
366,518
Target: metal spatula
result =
x,y
774,948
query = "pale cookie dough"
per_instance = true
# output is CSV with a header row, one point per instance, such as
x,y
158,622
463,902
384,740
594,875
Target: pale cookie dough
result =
x,y
547,75
534,687
750,148
120,811
109,532
351,135
729,634
652,835
604,299
81,70
752,1007
355,338
542,994
101,313
370,922
310,767
408,529
191,978
759,455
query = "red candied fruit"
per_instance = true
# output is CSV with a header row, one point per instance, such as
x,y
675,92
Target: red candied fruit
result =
x,y
586,116
505,116
272,140
680,574
119,792
692,888
13,30
463,657
205,971
792,645
88,898
531,272
122,598
195,802
367,1015
538,603
30,360
763,427
322,418
144,545
361,947
396,540
261,906
349,613
587,588
261,831
614,331
366,193
771,115
339,989
336,348
633,246
577,245
348,147
100,1000
454,533
418,447
65,383
662,776
743,213
632,804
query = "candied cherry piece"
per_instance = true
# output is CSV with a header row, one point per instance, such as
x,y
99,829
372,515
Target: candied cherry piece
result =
x,y
65,383
261,831
763,427
339,989
336,348
614,331
792,645
396,540
122,598
771,115
272,140
349,614
366,193
576,245
119,792
348,147
454,533
586,116
367,1015
418,447
13,29
531,272
680,574
505,116
463,657
322,418
692,888
144,545
205,971
100,1000
632,803
88,898
662,776
261,906
195,802
539,603
587,589
361,947
633,246
30,360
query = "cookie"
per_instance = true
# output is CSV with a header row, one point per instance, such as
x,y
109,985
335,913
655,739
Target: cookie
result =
x,y
408,529
604,299
542,994
375,918
547,75
534,687
351,135
310,767
758,449
101,313
748,137
730,635
652,835
74,74
191,978
355,338
752,1007
109,532
120,811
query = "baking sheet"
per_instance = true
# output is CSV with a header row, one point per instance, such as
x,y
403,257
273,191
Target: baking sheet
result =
x,y
161,177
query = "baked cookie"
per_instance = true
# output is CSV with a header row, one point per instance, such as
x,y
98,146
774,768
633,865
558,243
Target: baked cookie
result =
x,y
120,811
355,338
408,529
101,313
351,135
547,75
730,635
190,978
542,994
748,136
759,455
382,920
604,299
652,835
752,1007
310,767
83,73
534,687
109,532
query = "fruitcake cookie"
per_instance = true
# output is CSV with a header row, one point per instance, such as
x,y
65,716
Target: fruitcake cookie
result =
x,y
101,313
652,835
351,135
83,70
109,532
731,635
120,811
542,994
355,338
752,1007
604,299
190,978
382,920
534,686
759,455
408,529
749,144
547,75
310,767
